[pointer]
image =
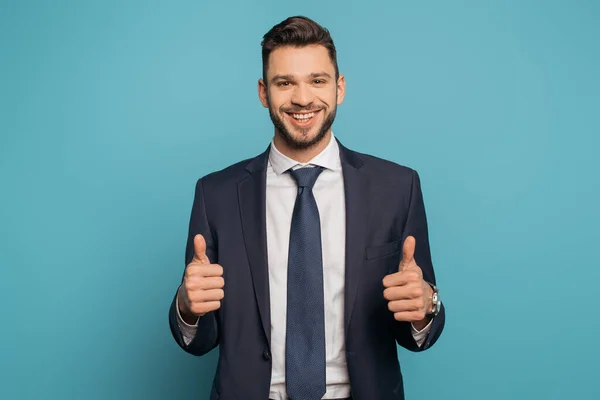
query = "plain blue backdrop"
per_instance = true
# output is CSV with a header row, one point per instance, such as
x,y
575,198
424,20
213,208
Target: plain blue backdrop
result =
x,y
111,110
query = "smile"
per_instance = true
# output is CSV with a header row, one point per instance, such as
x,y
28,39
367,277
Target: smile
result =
x,y
303,118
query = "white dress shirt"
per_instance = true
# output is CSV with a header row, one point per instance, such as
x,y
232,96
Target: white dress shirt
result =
x,y
281,197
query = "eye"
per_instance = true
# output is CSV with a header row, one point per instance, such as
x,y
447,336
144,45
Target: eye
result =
x,y
283,83
318,81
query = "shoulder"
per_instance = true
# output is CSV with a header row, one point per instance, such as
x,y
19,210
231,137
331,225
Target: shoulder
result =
x,y
230,176
385,171
387,179
232,172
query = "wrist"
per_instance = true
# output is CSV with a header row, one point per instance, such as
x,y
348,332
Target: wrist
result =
x,y
428,299
420,325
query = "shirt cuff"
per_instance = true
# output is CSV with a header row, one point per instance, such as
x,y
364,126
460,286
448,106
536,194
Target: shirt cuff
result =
x,y
420,336
187,331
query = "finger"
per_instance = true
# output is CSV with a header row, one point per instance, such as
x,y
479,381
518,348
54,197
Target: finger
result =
x,y
200,250
203,270
409,316
203,296
204,283
401,278
405,305
408,252
203,308
406,292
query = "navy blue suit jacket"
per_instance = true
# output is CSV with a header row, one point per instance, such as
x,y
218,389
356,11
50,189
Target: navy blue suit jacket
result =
x,y
384,205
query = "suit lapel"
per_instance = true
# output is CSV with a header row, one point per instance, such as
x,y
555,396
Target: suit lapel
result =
x,y
355,190
252,200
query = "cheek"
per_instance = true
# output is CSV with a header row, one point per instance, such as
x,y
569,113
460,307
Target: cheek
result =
x,y
328,97
278,99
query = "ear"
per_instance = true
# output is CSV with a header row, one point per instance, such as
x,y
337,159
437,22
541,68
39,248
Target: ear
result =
x,y
262,93
341,89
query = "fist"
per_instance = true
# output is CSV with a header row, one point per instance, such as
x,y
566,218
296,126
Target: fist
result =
x,y
408,295
202,287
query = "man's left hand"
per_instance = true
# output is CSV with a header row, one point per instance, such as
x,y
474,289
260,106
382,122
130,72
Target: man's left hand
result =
x,y
409,296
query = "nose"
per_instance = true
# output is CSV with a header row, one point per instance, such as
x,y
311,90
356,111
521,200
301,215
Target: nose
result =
x,y
302,95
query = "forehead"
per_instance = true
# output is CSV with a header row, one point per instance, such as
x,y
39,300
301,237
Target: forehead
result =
x,y
300,61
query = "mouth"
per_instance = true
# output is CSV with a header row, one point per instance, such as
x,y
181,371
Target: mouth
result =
x,y
303,119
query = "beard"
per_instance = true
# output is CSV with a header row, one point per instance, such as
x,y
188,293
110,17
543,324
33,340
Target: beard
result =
x,y
295,142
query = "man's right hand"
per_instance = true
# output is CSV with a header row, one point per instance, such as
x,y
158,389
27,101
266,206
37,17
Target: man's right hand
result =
x,y
202,287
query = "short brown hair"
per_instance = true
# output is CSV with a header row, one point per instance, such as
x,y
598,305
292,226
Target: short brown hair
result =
x,y
297,31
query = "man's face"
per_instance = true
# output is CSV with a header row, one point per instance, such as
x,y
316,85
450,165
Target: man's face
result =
x,y
301,93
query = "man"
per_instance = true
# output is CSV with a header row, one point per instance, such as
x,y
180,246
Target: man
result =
x,y
307,264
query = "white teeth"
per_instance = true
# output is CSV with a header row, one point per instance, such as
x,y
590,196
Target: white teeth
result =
x,y
303,117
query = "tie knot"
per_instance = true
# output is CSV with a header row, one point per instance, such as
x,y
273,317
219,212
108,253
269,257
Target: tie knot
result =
x,y
306,177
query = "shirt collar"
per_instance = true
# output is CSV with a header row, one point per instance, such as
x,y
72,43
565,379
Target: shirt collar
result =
x,y
329,158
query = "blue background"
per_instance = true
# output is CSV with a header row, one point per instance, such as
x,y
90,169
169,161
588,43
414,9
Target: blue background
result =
x,y
111,110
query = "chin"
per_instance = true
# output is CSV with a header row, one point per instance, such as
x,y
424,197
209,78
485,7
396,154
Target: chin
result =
x,y
299,140
299,135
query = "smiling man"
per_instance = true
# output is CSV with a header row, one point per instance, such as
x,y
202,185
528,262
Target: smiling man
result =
x,y
303,90
308,263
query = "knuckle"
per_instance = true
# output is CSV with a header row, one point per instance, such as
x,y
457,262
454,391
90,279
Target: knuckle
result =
x,y
390,280
191,272
195,284
386,294
188,286
193,297
191,268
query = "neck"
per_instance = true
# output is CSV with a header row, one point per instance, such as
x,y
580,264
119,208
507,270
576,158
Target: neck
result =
x,y
301,155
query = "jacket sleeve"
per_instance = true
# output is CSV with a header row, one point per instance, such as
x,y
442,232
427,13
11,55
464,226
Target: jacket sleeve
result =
x,y
416,226
207,333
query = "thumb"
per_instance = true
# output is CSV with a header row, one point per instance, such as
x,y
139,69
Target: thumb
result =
x,y
200,250
408,252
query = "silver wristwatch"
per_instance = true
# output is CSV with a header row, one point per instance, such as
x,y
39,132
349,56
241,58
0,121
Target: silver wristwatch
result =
x,y
436,303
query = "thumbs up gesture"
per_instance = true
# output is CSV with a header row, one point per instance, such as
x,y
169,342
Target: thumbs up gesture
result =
x,y
202,288
409,296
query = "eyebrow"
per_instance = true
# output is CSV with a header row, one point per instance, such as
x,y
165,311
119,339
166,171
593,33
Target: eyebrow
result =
x,y
291,77
320,75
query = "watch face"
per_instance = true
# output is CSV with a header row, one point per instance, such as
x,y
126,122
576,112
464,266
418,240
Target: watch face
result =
x,y
438,306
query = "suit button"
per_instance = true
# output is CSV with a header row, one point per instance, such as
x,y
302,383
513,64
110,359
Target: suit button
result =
x,y
267,355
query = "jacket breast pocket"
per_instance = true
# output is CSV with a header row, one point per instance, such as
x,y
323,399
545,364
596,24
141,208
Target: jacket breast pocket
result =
x,y
384,250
